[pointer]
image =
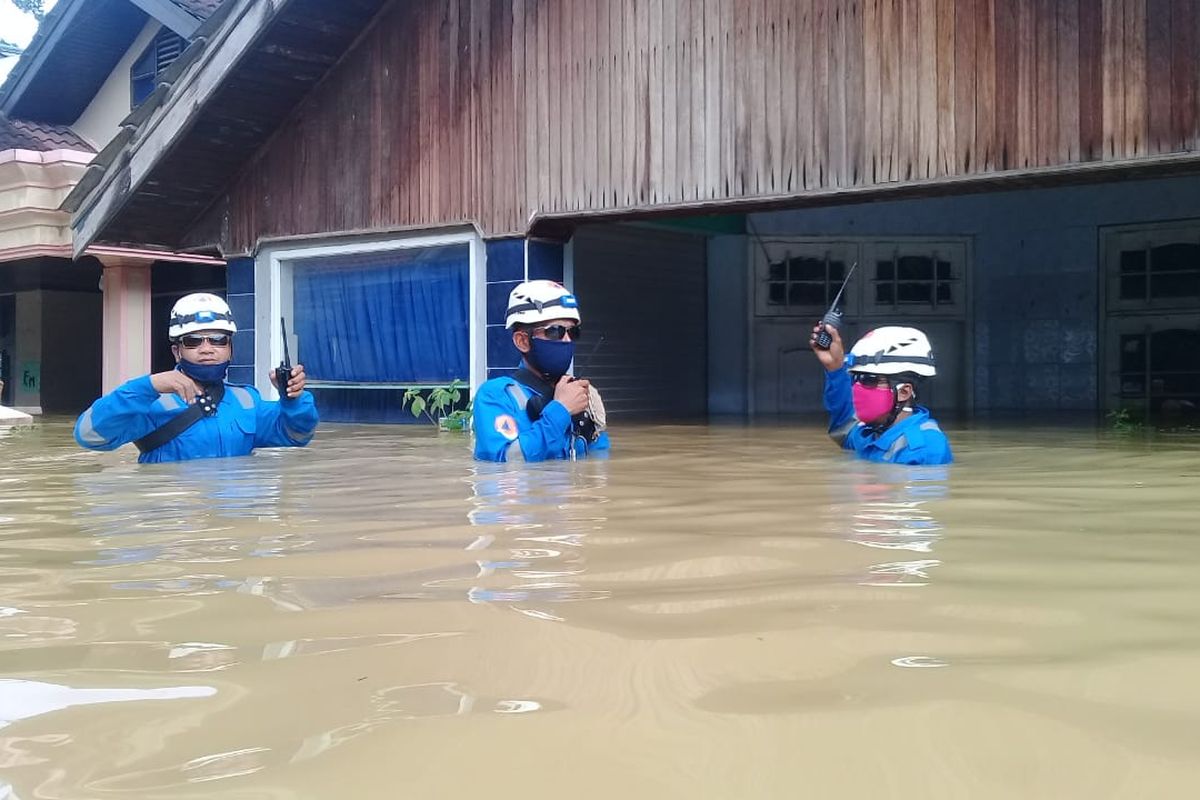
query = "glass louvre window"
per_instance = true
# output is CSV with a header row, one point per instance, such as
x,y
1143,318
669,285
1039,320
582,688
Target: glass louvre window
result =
x,y
369,326
160,54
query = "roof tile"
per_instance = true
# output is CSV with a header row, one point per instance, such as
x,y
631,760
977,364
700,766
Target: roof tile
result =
x,y
19,134
200,9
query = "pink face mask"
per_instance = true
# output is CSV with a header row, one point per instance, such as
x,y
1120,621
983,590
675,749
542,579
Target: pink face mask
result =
x,y
871,404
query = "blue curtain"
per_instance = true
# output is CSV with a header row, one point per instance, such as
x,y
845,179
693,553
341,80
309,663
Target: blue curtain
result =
x,y
402,317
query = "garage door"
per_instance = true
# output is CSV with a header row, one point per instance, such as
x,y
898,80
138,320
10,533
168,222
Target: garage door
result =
x,y
644,291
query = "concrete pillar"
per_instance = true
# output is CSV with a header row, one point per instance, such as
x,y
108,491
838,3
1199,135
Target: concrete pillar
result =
x,y
26,372
126,321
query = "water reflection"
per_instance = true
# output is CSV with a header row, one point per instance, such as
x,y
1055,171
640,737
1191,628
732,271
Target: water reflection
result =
x,y
21,699
536,521
893,510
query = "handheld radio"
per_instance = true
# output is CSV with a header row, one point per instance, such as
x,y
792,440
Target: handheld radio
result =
x,y
283,373
833,317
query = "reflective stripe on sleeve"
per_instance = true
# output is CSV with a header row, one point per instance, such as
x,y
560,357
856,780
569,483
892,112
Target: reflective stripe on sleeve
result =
x,y
87,432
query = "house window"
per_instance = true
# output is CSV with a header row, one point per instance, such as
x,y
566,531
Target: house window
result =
x,y
1150,273
160,54
1152,321
801,279
923,278
900,277
370,320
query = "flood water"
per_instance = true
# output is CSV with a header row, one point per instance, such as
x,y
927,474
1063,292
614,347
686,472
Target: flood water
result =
x,y
712,612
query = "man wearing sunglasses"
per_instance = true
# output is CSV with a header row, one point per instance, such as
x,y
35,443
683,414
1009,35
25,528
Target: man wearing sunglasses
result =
x,y
540,412
870,396
190,411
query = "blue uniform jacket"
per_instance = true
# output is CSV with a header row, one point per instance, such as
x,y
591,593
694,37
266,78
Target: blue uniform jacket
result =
x,y
243,422
915,440
500,420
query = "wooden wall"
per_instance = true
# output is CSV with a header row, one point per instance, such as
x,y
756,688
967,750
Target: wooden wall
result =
x,y
490,110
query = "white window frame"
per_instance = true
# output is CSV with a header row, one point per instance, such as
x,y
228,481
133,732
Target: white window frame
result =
x,y
273,268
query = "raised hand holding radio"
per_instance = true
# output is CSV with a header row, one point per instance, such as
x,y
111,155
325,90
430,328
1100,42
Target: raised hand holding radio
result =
x,y
283,373
832,318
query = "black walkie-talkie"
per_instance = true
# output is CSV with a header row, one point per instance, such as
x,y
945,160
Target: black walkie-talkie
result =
x,y
833,317
283,373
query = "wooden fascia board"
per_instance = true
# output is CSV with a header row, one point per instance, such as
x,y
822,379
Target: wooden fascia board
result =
x,y
552,223
25,73
170,15
190,95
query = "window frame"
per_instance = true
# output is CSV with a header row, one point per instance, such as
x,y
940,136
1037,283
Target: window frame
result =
x,y
859,300
955,248
274,266
1121,316
1114,242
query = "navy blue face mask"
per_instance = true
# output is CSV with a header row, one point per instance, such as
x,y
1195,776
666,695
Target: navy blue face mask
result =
x,y
204,373
552,359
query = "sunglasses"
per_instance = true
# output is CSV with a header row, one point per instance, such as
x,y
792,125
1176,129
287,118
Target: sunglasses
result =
x,y
558,332
215,339
868,380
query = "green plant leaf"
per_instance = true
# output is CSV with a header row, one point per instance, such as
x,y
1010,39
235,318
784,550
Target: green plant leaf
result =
x,y
418,405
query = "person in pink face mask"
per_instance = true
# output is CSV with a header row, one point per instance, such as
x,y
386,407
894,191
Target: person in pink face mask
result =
x,y
870,395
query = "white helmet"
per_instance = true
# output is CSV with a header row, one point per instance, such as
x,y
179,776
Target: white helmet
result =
x,y
200,312
892,350
538,301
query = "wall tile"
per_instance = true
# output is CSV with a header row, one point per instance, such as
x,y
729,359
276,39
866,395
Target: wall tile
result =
x,y
242,306
243,348
497,301
505,260
239,276
501,353
545,260
241,375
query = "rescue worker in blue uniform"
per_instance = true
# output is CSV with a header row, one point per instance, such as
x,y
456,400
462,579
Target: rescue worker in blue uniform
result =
x,y
540,412
190,411
869,396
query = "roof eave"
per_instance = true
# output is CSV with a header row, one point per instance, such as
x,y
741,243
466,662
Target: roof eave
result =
x,y
230,31
171,15
30,63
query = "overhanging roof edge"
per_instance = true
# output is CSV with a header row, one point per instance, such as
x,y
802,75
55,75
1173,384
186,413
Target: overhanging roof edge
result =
x,y
30,62
171,15
229,34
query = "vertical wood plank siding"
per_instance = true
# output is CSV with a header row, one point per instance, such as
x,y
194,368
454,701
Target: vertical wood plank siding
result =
x,y
491,110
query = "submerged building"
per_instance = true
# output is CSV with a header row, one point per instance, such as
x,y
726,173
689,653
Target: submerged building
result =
x,y
1017,178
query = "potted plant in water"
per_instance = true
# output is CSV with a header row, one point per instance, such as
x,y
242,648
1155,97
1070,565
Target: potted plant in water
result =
x,y
441,405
